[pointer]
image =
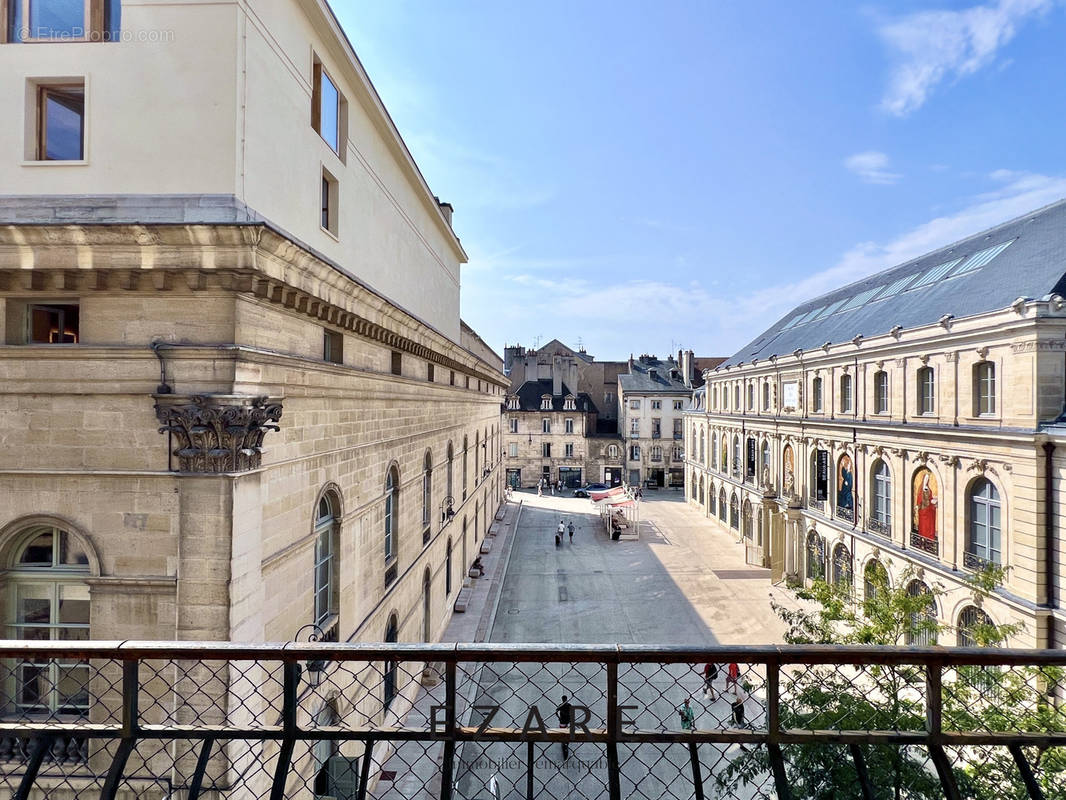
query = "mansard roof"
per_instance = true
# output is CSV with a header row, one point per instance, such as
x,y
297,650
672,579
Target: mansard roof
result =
x,y
531,393
1025,257
641,380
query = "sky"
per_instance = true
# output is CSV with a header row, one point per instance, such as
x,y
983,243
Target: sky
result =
x,y
639,177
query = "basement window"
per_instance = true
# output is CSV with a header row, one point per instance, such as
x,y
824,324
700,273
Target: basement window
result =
x,y
56,324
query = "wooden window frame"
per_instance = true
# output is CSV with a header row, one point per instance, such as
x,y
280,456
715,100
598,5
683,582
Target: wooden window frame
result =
x,y
92,22
41,145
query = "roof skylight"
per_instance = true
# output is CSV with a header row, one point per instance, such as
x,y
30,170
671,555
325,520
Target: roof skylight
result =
x,y
980,259
895,287
934,274
860,299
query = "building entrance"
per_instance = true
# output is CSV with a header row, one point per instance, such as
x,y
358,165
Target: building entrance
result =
x,y
612,476
514,478
655,478
570,476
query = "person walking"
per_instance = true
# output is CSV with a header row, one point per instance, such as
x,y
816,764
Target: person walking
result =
x,y
559,533
551,487
564,710
732,676
540,487
736,703
570,530
710,675
688,716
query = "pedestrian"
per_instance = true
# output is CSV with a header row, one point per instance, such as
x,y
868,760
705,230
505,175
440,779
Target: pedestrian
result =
x,y
732,676
640,493
710,675
540,487
570,529
688,716
559,533
564,710
551,488
559,485
736,702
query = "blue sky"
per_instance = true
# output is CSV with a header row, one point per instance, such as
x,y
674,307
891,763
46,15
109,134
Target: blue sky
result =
x,y
640,177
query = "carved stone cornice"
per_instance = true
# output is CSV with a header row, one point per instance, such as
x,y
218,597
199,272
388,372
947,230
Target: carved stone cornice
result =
x,y
217,433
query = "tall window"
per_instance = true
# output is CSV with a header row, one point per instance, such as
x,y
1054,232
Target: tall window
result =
x,y
926,390
736,456
702,450
881,392
427,494
815,556
327,109
714,450
61,122
751,397
974,627
448,568
734,512
842,572
984,388
634,427
568,450
874,579
656,453
513,450
766,396
922,628
546,450
466,442
723,509
612,451
846,394
512,424
634,452
392,510
764,460
50,602
389,678
736,397
984,536
326,589
451,461
816,394
545,425
568,426
881,516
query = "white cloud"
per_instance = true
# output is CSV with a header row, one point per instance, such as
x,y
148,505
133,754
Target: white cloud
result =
x,y
933,46
614,316
872,167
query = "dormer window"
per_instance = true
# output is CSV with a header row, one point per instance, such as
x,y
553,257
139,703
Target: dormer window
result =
x,y
546,402
568,403
512,403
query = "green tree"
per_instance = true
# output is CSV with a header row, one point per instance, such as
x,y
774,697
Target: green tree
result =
x,y
876,697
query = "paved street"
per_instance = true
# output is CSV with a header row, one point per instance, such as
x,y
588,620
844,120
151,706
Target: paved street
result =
x,y
683,582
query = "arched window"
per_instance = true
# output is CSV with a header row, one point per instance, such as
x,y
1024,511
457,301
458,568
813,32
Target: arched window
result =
x,y
722,508
881,491
448,568
694,449
392,511
427,494
975,628
46,581
764,462
714,450
701,494
751,396
713,501
984,533
881,392
703,437
749,524
327,591
427,606
612,451
815,556
736,397
766,396
816,395
734,512
466,473
389,678
922,628
451,461
846,399
874,580
926,391
477,449
984,388
842,571
736,456
749,456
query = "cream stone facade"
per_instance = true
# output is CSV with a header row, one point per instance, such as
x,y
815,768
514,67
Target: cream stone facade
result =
x,y
933,406
224,413
651,399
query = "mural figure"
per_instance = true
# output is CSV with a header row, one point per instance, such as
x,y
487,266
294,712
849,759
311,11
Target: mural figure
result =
x,y
926,497
789,481
845,482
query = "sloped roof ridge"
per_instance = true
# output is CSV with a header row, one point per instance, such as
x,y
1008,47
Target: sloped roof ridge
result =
x,y
901,267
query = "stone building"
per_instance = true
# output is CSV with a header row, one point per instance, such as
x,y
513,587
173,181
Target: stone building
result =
x,y
236,396
652,396
911,419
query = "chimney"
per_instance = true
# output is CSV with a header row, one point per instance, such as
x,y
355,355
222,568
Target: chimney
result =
x,y
557,376
686,366
446,209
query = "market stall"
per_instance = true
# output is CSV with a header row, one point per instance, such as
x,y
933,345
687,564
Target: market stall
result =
x,y
620,513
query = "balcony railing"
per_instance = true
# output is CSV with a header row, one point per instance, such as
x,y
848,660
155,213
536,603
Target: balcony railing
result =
x,y
919,542
218,720
874,525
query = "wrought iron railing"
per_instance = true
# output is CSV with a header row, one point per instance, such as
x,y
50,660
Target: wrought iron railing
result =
x,y
169,720
919,542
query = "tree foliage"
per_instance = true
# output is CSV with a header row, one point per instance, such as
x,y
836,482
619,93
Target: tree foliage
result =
x,y
892,698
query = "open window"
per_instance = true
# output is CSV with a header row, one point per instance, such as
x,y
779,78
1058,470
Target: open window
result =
x,y
60,115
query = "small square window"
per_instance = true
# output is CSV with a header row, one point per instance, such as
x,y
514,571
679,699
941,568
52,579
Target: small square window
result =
x,y
61,123
53,324
332,347
397,362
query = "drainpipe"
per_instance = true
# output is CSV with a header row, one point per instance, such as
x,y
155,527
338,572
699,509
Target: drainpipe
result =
x,y
1049,539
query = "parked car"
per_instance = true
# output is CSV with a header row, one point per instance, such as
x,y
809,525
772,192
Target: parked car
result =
x,y
592,487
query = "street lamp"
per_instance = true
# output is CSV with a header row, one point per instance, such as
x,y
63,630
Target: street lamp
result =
x,y
315,667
